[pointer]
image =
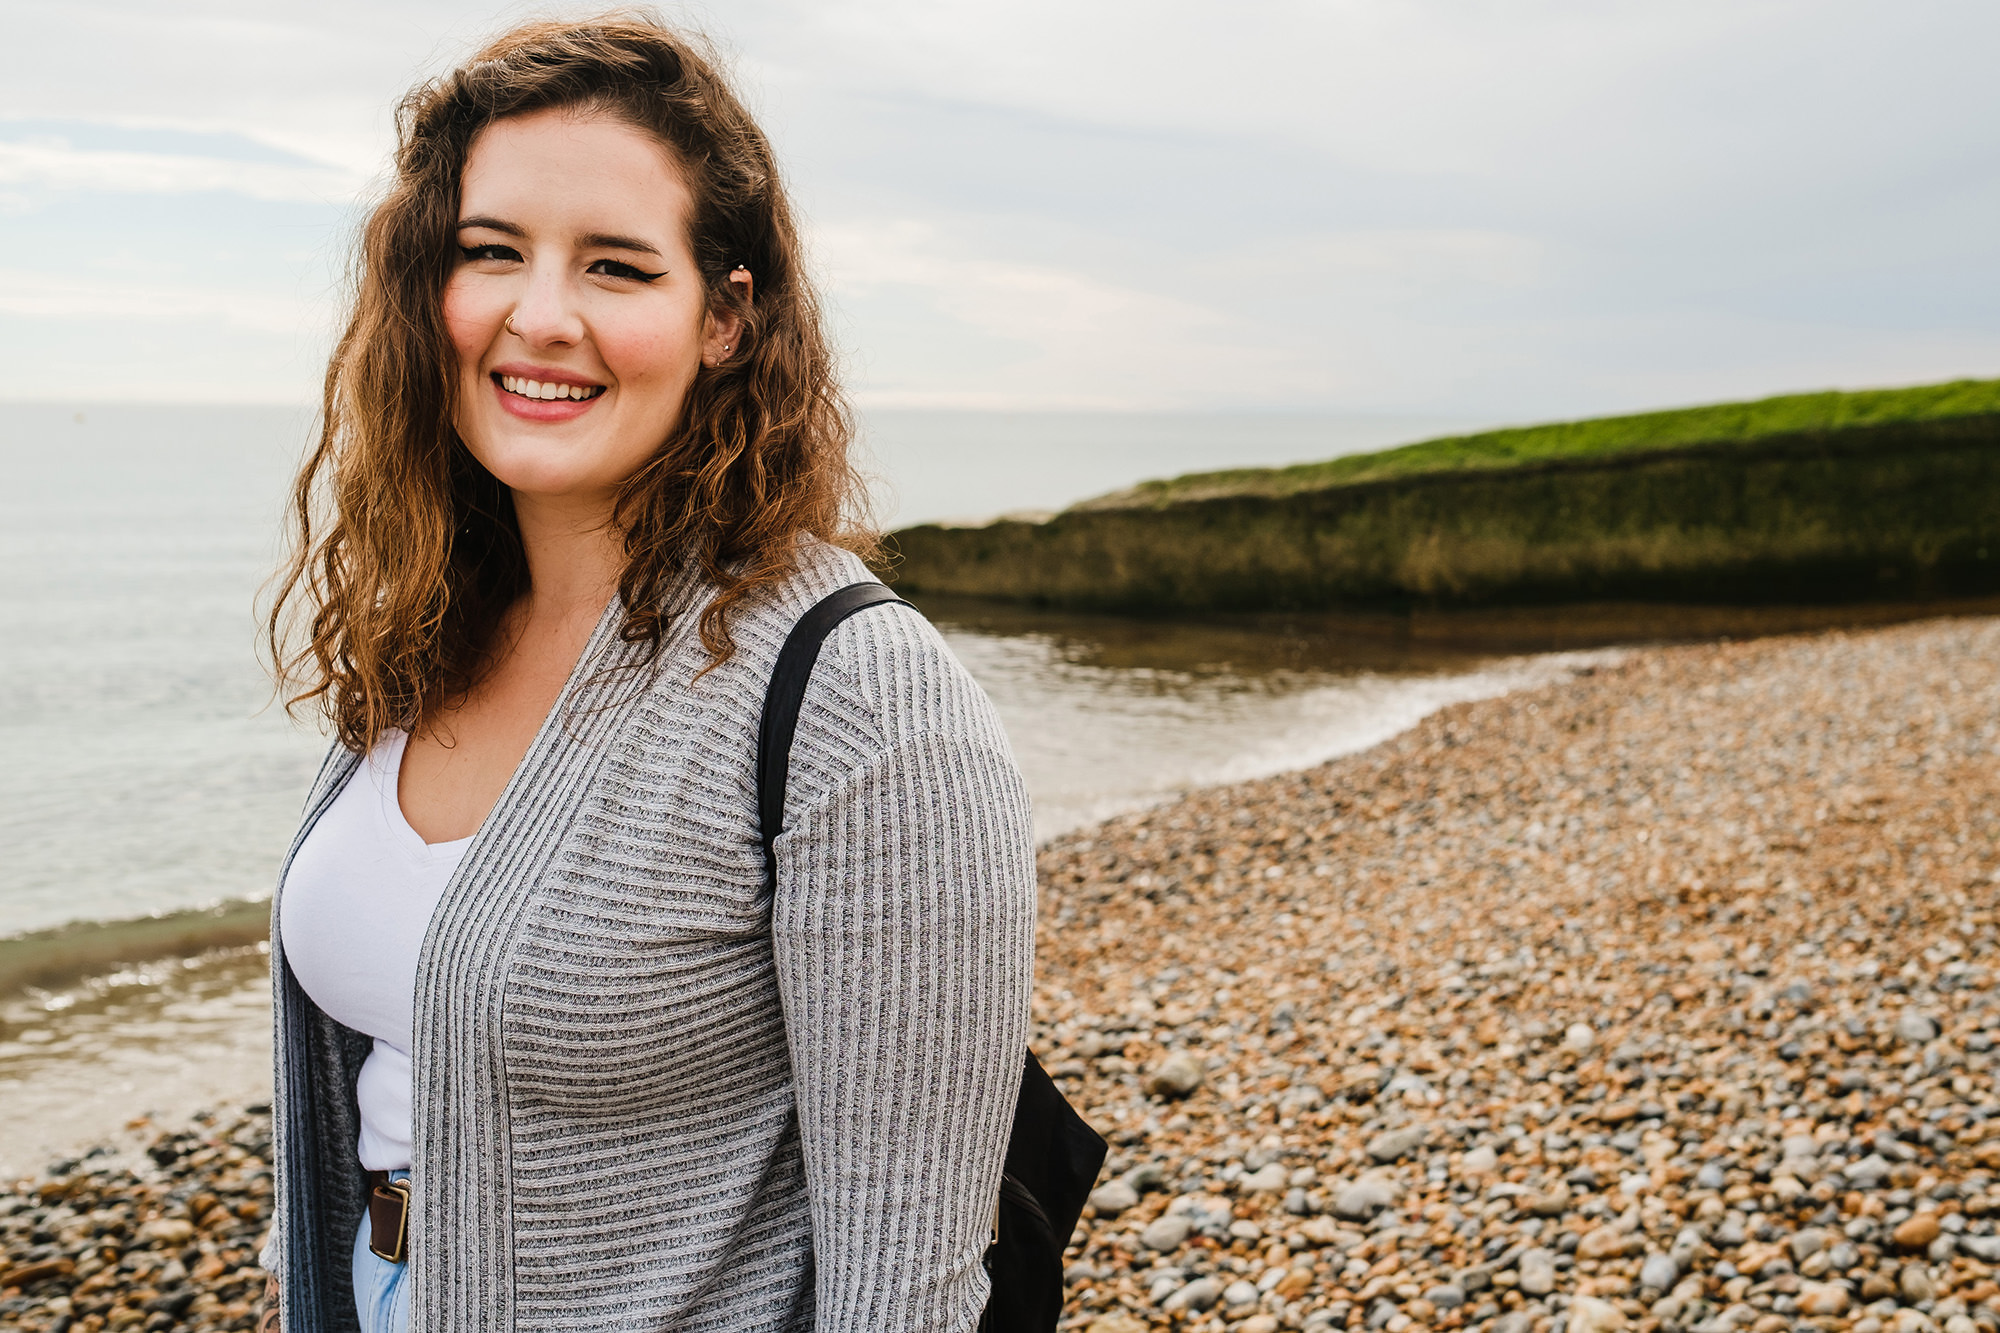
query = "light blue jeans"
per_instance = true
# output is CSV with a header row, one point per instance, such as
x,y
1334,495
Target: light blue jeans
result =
x,y
381,1289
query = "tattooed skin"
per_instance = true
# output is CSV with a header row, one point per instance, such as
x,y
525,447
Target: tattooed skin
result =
x,y
267,1322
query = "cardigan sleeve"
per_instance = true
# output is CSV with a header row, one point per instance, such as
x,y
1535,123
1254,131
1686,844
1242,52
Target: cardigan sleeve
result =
x,y
903,931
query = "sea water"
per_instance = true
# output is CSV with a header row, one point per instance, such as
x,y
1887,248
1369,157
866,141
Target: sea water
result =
x,y
145,765
146,769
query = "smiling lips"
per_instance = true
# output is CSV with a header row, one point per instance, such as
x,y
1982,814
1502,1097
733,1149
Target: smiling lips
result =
x,y
527,388
548,400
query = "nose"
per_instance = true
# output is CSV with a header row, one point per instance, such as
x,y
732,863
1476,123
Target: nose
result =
x,y
547,314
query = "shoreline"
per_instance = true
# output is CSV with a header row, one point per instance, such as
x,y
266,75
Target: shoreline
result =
x,y
1660,998
160,1040
78,950
110,1030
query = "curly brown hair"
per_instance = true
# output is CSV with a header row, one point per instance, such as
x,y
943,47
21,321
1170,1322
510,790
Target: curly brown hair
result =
x,y
404,549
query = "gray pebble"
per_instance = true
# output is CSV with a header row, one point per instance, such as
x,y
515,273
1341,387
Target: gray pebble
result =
x,y
1364,1199
1659,1272
1447,1297
1199,1295
1176,1076
1538,1272
1887,1144
1397,1143
1165,1233
1240,1292
1868,1173
1986,1249
1914,1026
1113,1198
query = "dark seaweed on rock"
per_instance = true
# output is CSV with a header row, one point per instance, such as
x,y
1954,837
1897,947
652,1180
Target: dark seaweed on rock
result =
x,y
1862,506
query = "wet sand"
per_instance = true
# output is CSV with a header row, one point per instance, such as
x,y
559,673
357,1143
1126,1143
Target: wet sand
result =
x,y
162,1039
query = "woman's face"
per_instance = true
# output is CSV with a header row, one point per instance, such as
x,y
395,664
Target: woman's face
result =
x,y
577,312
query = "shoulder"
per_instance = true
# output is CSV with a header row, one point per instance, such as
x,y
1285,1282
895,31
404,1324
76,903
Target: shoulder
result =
x,y
885,676
758,625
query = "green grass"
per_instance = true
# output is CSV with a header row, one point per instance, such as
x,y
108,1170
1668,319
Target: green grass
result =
x,y
1719,425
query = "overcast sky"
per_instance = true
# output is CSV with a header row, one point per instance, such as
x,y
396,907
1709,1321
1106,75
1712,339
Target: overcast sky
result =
x,y
1512,210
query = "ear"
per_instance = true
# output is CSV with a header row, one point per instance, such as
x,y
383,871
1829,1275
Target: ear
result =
x,y
723,329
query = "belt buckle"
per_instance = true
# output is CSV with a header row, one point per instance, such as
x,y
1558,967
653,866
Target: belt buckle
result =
x,y
401,1189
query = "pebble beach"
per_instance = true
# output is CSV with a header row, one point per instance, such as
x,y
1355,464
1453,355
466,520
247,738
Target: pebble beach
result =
x,y
1659,998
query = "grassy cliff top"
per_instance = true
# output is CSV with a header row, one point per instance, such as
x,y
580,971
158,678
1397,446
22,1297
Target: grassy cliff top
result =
x,y
1723,423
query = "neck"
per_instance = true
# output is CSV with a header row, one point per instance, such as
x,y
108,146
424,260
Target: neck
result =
x,y
574,556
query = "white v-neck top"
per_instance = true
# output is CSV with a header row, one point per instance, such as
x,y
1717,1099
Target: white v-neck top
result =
x,y
357,903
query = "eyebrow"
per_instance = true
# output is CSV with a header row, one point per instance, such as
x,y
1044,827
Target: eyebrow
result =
x,y
596,240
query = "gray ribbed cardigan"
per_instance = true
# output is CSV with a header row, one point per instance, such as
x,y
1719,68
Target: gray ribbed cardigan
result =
x,y
643,1099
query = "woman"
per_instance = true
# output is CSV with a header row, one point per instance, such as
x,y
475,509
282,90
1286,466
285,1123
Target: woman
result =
x,y
583,466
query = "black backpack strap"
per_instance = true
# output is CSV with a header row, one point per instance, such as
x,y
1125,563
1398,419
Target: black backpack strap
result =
x,y
788,693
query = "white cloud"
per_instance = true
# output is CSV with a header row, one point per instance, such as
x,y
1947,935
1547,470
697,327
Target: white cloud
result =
x,y
53,296
1538,208
1400,262
55,165
1076,340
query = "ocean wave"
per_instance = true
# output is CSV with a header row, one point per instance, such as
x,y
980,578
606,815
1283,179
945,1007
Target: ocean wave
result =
x,y
49,959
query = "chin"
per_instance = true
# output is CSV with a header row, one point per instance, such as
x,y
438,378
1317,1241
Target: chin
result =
x,y
534,467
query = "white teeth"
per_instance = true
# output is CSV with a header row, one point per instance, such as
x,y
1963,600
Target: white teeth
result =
x,y
538,389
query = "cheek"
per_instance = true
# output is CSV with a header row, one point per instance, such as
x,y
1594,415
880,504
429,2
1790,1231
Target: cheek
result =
x,y
471,323
652,356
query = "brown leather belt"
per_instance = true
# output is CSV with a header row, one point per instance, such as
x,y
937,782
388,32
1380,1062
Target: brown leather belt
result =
x,y
388,1217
